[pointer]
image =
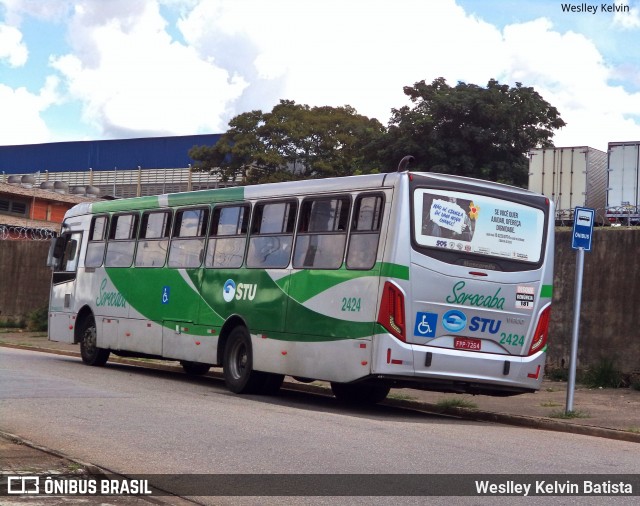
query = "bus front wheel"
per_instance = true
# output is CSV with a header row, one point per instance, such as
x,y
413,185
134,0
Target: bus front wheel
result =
x,y
91,354
359,394
239,375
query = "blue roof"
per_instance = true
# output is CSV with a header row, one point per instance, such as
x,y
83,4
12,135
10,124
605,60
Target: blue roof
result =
x,y
148,153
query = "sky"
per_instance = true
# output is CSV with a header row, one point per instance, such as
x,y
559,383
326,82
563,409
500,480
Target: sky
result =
x,y
74,70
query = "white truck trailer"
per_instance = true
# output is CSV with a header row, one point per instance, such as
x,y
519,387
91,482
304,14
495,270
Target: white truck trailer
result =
x,y
570,176
623,187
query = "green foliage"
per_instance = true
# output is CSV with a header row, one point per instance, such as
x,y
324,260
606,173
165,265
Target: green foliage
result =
x,y
471,131
450,402
568,415
557,374
604,374
12,322
292,142
466,130
38,320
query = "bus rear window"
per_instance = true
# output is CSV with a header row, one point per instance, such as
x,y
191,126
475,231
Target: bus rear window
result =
x,y
477,224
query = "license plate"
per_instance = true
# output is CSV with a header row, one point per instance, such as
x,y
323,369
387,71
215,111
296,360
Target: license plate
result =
x,y
467,343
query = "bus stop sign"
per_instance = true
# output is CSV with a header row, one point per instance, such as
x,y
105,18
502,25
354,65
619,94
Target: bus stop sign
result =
x,y
583,218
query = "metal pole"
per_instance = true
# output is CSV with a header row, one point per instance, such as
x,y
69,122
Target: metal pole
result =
x,y
576,328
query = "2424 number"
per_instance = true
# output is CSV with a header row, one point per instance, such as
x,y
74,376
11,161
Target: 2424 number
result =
x,y
351,304
511,339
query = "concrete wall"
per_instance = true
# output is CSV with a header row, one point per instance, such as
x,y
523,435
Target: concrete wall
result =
x,y
24,277
610,315
610,310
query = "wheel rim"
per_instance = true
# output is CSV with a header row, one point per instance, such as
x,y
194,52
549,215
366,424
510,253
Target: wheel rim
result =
x,y
239,360
90,340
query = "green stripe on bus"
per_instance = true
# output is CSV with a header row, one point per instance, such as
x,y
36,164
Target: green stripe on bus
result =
x,y
546,291
394,271
207,196
135,204
310,283
186,302
178,199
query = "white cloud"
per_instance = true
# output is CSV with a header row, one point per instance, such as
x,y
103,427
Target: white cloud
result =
x,y
571,74
131,77
21,121
627,20
12,48
335,52
16,10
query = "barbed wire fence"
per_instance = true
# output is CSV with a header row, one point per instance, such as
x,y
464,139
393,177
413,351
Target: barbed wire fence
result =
x,y
26,233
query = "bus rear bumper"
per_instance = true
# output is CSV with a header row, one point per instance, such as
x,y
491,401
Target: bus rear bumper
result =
x,y
448,370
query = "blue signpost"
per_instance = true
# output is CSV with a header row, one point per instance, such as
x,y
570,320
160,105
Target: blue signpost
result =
x,y
583,219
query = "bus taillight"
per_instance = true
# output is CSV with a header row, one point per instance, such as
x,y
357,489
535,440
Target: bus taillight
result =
x,y
391,315
542,332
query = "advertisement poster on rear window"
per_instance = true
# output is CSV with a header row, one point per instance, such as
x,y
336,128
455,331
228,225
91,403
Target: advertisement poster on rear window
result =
x,y
478,224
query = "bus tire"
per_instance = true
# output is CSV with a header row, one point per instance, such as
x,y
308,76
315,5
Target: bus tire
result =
x,y
239,375
195,368
89,351
359,394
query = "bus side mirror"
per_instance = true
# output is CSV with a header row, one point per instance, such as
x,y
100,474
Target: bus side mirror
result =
x,y
56,250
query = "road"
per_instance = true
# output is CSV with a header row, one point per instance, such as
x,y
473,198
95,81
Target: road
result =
x,y
133,420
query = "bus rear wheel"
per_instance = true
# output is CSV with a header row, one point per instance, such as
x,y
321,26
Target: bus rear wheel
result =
x,y
359,394
239,375
89,351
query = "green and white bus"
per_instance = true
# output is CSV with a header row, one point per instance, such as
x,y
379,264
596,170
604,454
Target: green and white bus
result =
x,y
404,279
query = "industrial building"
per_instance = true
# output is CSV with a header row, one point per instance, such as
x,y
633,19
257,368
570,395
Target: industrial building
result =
x,y
117,168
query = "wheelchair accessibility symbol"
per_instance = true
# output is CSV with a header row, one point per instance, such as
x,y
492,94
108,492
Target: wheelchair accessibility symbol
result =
x,y
166,291
426,324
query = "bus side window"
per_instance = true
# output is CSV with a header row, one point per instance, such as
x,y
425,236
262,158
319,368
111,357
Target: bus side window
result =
x,y
187,244
155,229
122,240
322,233
271,234
97,241
227,237
69,260
365,232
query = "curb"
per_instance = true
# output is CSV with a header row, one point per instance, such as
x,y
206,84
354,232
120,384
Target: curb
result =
x,y
519,420
539,423
88,470
91,469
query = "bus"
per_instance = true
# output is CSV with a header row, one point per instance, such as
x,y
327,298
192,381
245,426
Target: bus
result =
x,y
395,280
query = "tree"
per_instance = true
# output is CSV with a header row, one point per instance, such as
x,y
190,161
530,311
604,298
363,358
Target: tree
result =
x,y
470,130
293,142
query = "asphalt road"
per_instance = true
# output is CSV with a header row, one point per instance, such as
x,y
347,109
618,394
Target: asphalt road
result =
x,y
132,420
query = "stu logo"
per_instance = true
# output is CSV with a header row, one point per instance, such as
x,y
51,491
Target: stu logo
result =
x,y
241,291
484,325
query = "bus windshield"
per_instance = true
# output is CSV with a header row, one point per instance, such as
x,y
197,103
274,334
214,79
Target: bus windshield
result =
x,y
478,224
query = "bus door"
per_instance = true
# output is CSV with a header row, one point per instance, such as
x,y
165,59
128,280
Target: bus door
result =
x,y
63,258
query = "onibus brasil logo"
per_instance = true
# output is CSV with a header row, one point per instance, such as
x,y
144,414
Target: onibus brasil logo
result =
x,y
241,291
